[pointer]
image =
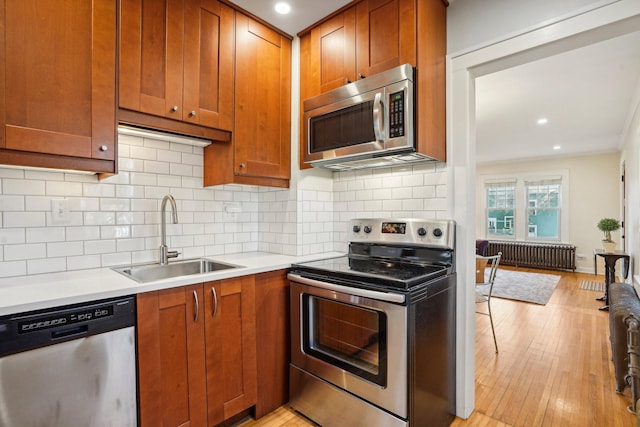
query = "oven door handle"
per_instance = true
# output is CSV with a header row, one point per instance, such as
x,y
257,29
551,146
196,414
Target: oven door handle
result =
x,y
365,293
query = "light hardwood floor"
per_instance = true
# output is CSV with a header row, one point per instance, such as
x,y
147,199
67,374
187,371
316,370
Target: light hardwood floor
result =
x,y
554,367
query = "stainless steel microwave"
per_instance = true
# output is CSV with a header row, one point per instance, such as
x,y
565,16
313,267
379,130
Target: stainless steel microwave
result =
x,y
368,123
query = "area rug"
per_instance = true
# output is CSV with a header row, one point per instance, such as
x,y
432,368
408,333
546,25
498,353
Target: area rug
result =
x,y
521,286
590,285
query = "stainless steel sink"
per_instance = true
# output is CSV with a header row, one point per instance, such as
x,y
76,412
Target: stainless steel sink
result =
x,y
151,272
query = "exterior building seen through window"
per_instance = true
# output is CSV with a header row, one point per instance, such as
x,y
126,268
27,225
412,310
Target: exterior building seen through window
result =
x,y
540,203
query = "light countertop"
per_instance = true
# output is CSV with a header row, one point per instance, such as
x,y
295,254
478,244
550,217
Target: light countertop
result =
x,y
26,293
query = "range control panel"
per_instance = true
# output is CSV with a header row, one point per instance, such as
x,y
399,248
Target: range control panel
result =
x,y
410,231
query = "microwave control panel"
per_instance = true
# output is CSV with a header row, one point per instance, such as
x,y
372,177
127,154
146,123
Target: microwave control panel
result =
x,y
396,114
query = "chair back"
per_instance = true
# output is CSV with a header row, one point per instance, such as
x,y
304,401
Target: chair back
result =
x,y
494,262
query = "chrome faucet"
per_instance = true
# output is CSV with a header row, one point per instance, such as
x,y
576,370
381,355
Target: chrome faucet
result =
x,y
165,253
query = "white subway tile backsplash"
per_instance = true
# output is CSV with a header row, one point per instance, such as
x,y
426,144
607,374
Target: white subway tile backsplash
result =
x,y
83,262
99,246
26,251
13,268
47,265
12,236
12,203
23,187
45,234
116,221
61,188
23,219
65,249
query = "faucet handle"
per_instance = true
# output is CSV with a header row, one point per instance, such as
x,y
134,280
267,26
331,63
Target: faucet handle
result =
x,y
173,254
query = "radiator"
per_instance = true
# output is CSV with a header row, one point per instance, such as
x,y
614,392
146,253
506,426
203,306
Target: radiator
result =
x,y
559,256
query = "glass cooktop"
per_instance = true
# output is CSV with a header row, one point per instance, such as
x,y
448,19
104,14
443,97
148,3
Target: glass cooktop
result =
x,y
376,272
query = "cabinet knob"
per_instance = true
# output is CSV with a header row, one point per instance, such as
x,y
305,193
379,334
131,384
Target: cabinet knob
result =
x,y
104,148
242,165
362,76
174,108
192,113
347,80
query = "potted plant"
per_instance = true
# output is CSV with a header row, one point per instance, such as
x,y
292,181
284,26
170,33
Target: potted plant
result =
x,y
607,225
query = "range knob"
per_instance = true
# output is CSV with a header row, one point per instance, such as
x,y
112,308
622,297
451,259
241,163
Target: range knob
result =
x,y
367,229
356,228
422,231
437,232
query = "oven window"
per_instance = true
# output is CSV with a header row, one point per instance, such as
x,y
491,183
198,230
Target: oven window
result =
x,y
348,336
349,126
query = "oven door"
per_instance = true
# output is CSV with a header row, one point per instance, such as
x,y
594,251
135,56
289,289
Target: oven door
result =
x,y
353,338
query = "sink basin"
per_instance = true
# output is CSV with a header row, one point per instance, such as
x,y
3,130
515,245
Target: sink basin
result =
x,y
151,272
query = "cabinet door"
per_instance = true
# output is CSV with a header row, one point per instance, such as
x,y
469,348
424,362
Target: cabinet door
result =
x,y
230,346
273,334
57,83
386,35
333,53
208,64
262,138
171,365
151,68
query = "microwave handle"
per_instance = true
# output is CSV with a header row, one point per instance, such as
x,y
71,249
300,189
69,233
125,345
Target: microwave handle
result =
x,y
378,117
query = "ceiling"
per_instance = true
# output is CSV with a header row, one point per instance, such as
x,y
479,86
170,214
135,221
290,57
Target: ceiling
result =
x,y
303,13
585,94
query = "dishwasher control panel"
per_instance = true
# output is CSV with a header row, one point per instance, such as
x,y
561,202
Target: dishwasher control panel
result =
x,y
26,331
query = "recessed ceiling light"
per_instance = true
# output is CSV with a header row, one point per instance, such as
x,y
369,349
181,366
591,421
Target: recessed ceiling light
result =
x,y
282,8
542,121
556,147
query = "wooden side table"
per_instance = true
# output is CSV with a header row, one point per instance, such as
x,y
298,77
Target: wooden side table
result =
x,y
610,259
480,266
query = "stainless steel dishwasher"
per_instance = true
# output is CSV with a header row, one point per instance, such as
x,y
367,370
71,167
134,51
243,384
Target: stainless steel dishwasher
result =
x,y
69,366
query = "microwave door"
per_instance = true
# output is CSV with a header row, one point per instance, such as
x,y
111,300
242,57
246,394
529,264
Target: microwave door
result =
x,y
350,127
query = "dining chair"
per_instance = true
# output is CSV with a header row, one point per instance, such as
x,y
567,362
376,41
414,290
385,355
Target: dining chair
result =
x,y
493,262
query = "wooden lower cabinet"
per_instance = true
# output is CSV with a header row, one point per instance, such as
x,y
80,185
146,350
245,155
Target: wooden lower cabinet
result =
x,y
230,329
197,353
171,358
273,340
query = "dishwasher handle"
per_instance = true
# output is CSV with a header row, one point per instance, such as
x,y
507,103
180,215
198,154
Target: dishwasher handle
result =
x,y
70,332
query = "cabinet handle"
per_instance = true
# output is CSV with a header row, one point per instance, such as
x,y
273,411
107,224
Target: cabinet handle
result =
x,y
362,76
195,299
174,108
192,113
215,302
104,148
242,165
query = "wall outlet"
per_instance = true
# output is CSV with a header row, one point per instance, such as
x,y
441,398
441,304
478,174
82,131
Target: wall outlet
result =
x,y
60,212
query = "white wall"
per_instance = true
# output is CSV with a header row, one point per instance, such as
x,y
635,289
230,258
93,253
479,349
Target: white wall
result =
x,y
631,159
473,24
593,189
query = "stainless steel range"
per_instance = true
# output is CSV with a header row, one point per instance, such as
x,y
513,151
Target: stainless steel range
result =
x,y
373,332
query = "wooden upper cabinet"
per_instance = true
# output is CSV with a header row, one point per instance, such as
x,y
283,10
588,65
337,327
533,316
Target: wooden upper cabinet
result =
x,y
176,60
171,357
386,35
230,347
260,150
262,134
333,45
57,84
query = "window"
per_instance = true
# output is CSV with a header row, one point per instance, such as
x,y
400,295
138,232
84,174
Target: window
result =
x,y
543,208
524,207
500,209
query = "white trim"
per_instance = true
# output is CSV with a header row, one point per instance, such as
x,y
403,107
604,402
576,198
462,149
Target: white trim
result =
x,y
604,23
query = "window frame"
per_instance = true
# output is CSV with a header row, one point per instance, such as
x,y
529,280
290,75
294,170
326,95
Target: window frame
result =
x,y
522,208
